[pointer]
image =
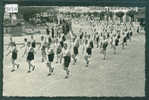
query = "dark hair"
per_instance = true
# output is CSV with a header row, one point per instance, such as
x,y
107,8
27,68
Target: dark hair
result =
x,y
65,45
32,36
25,39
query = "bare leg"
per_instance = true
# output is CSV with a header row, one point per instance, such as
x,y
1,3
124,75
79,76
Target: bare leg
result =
x,y
50,68
29,65
13,66
67,73
104,52
16,64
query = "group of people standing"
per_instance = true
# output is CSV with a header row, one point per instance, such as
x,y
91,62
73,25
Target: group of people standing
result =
x,y
65,49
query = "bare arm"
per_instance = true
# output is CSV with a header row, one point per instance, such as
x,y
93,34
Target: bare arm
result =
x,y
22,46
8,46
39,45
8,53
24,52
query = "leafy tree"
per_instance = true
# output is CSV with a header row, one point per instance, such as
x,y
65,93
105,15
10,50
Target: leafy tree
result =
x,y
120,15
95,14
111,14
131,14
30,12
102,15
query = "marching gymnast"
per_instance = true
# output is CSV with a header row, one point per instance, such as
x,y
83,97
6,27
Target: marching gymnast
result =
x,y
50,55
25,45
67,59
14,56
42,47
11,43
88,53
75,50
30,58
59,53
104,47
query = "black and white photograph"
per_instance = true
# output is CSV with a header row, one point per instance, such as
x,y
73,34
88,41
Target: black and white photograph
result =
x,y
69,51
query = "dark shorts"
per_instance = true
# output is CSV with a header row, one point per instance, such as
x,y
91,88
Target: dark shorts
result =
x,y
67,60
30,57
116,43
89,51
34,45
125,40
75,49
51,57
62,44
14,56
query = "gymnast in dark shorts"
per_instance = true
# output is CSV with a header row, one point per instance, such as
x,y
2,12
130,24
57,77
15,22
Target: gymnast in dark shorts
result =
x,y
116,44
67,60
124,42
14,55
88,54
91,44
104,47
75,50
43,52
59,53
34,44
50,55
30,58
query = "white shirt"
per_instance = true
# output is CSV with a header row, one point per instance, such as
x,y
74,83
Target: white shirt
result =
x,y
65,52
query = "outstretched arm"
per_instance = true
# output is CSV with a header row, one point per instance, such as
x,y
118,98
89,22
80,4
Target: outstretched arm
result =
x,y
22,46
8,53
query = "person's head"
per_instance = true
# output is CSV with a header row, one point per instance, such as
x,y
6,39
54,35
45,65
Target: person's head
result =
x,y
32,37
25,39
28,44
86,42
65,45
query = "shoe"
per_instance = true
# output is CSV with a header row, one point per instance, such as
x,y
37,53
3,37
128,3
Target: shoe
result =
x,y
28,71
12,70
49,74
66,77
86,65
